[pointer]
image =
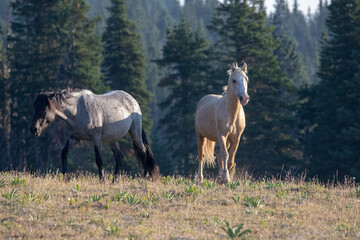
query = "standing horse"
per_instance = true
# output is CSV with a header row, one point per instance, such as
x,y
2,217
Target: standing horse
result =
x,y
221,118
97,118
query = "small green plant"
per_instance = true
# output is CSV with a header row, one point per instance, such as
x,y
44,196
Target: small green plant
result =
x,y
76,188
253,202
281,194
191,190
132,199
46,197
357,191
29,197
278,184
72,201
234,231
16,181
118,197
208,184
10,195
167,179
2,183
187,182
168,195
144,214
236,199
95,198
233,185
114,230
179,180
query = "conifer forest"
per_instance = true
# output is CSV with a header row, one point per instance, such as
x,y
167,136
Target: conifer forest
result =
x,y
303,69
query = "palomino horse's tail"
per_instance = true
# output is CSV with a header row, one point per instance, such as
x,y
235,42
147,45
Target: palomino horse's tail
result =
x,y
146,159
208,151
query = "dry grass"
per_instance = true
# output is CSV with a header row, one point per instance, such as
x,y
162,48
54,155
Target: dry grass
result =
x,y
33,207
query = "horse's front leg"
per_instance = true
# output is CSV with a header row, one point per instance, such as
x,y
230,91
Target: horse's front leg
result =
x,y
70,143
234,144
118,158
97,148
225,177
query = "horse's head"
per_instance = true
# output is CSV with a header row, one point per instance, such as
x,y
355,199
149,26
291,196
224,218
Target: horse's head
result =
x,y
238,83
45,113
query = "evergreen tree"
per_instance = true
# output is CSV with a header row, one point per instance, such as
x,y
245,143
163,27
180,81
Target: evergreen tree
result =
x,y
335,138
305,45
2,106
80,48
317,30
186,56
286,50
52,46
269,137
124,62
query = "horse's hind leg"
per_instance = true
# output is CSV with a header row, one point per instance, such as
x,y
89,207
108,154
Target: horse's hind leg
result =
x,y
135,132
200,140
98,158
143,151
118,156
70,143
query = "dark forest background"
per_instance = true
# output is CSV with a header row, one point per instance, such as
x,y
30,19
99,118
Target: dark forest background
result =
x,y
304,72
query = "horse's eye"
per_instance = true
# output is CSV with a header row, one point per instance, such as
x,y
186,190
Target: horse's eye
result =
x,y
234,81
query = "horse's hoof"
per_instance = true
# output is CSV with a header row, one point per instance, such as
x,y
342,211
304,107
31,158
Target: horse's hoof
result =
x,y
225,177
200,180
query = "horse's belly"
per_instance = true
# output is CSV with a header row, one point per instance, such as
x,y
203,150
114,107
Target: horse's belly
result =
x,y
205,117
113,131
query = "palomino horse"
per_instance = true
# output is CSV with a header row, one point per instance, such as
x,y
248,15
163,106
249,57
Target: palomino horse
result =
x,y
97,118
221,118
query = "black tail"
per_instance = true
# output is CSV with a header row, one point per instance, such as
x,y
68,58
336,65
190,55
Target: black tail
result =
x,y
147,160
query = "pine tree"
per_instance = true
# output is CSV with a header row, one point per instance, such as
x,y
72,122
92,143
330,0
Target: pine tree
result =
x,y
268,142
3,141
186,56
52,46
305,45
317,30
335,138
81,63
124,63
286,50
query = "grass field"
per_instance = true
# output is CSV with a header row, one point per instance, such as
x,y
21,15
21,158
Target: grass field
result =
x,y
47,207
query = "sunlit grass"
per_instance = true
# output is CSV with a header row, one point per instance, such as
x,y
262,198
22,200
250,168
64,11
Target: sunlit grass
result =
x,y
175,207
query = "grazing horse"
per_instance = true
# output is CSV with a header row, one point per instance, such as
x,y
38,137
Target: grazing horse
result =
x,y
221,118
97,118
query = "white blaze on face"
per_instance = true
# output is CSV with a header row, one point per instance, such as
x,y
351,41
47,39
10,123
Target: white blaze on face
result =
x,y
240,83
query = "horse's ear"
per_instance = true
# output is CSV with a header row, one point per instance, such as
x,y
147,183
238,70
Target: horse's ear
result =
x,y
52,95
234,66
244,67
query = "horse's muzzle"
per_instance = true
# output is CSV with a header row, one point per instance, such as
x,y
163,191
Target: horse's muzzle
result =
x,y
244,99
34,131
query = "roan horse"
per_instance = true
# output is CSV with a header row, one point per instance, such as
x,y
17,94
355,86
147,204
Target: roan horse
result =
x,y
221,118
97,118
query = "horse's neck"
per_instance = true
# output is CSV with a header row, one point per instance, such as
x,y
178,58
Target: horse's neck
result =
x,y
67,109
233,106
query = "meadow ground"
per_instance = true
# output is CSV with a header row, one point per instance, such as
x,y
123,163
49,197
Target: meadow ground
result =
x,y
47,207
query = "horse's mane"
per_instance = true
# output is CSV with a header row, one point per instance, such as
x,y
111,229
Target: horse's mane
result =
x,y
224,90
62,96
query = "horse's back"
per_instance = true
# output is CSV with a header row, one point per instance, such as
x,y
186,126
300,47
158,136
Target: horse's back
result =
x,y
205,116
121,101
116,110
